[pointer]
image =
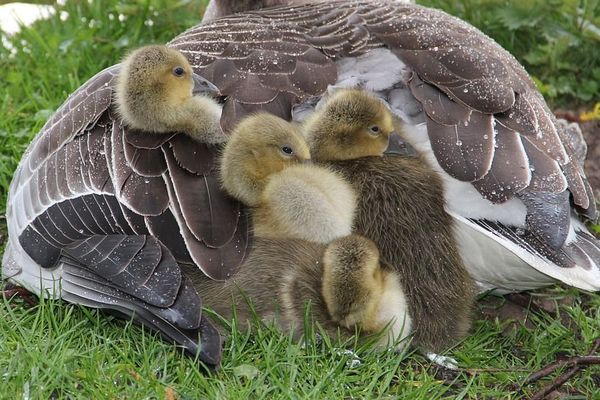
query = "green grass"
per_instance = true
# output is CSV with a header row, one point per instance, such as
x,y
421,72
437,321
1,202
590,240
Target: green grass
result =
x,y
556,40
55,350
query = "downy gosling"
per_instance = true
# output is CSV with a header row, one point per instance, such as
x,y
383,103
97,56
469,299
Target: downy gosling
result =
x,y
401,208
158,92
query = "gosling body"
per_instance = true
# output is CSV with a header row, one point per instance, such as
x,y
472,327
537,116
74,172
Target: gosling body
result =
x,y
401,208
155,93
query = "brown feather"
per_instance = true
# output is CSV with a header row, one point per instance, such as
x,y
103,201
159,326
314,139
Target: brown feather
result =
x,y
465,150
509,172
401,208
193,156
211,215
546,174
219,262
145,195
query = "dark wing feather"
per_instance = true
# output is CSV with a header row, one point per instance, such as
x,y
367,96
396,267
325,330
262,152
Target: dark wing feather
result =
x,y
144,140
139,265
144,162
80,110
234,110
548,216
509,173
146,195
462,139
205,234
164,227
469,78
182,322
202,203
546,174
193,156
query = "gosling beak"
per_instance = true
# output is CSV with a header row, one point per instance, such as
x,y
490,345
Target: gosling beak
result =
x,y
203,87
397,146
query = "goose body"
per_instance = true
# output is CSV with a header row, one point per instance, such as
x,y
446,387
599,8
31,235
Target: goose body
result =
x,y
511,181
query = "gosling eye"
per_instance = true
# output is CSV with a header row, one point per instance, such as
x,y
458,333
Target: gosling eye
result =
x,y
374,130
178,71
287,151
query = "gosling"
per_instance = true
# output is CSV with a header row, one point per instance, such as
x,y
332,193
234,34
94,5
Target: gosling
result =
x,y
264,165
156,92
401,208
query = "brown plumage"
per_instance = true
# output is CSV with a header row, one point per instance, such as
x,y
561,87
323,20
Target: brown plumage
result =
x,y
154,93
401,207
220,8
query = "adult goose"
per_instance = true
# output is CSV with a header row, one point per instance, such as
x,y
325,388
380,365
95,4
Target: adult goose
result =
x,y
513,181
116,212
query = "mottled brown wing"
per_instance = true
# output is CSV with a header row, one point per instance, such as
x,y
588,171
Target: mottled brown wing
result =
x,y
90,196
116,181
485,118
215,228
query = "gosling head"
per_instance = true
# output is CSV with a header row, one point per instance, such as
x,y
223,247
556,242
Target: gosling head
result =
x,y
158,92
352,124
260,145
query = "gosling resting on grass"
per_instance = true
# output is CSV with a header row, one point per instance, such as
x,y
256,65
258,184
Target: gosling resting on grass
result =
x,y
401,208
157,92
304,254
281,277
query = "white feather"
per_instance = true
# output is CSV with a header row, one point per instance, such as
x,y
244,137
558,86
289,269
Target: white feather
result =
x,y
497,262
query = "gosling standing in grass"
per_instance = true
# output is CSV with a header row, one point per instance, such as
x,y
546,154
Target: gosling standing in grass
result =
x,y
400,207
302,254
157,92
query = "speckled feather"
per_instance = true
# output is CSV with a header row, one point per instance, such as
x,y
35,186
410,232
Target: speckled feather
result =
x,y
87,176
468,78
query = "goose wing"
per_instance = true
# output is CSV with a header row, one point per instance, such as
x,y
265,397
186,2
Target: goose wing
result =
x,y
114,213
487,125
486,121
164,185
